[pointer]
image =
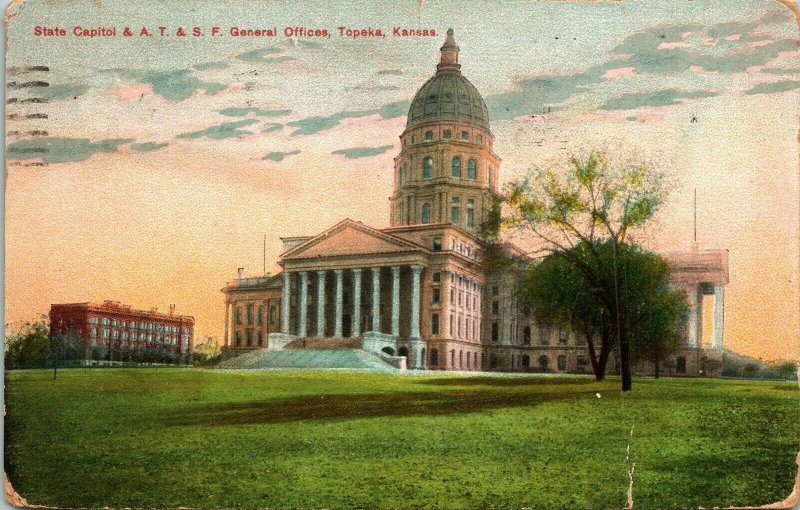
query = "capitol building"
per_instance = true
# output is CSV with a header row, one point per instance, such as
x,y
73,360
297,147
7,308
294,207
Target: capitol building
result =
x,y
418,294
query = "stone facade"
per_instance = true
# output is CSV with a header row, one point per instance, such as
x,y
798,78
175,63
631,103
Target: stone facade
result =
x,y
419,290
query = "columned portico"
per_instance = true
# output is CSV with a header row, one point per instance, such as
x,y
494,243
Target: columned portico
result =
x,y
395,301
337,329
303,306
285,297
376,299
320,303
356,327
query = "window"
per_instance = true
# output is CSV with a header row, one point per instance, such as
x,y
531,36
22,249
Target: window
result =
x,y
260,317
249,315
435,296
562,362
479,139
436,277
260,338
680,365
249,337
413,139
238,315
435,324
434,357
237,336
495,307
456,167
526,361
452,323
465,136
495,290
454,209
472,169
493,361
543,336
428,136
562,336
427,167
446,134
581,362
272,314
452,358
495,332
544,363
526,335
426,213
452,296
460,359
470,213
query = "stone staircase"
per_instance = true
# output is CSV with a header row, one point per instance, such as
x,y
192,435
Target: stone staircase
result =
x,y
324,343
310,358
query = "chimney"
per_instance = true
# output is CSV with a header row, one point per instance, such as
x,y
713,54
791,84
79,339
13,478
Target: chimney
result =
x,y
241,272
171,310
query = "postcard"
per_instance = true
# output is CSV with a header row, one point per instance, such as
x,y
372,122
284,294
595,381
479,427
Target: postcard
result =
x,y
449,254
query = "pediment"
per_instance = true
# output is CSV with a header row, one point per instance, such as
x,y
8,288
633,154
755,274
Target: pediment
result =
x,y
350,238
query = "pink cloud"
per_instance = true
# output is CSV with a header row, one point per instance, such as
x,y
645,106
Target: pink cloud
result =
x,y
709,42
700,70
686,34
672,45
131,92
763,42
755,69
788,54
734,37
619,72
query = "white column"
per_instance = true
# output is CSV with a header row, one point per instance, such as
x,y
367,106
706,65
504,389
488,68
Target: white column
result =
x,y
415,272
339,303
719,315
691,326
285,300
356,315
227,323
396,301
699,325
320,303
376,299
302,313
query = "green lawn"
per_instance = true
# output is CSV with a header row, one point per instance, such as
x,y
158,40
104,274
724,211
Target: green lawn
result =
x,y
213,439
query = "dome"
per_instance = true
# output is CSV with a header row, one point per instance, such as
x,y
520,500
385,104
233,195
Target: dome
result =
x,y
448,95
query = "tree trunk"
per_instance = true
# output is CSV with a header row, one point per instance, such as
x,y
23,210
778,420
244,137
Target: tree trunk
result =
x,y
656,364
624,359
605,352
598,375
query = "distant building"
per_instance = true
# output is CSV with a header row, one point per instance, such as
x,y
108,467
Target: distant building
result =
x,y
114,329
419,289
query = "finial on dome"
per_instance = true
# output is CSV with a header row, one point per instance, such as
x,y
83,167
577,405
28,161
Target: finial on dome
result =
x,y
449,56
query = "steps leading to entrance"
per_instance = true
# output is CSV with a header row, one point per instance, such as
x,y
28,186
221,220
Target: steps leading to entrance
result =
x,y
324,343
354,359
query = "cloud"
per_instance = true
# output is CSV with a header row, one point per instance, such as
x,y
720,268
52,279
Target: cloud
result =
x,y
61,150
279,156
665,49
362,152
174,85
222,131
272,126
313,125
63,91
394,72
148,146
667,97
774,87
241,112
260,56
205,66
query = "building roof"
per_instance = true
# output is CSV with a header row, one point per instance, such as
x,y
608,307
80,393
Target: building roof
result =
x,y
448,95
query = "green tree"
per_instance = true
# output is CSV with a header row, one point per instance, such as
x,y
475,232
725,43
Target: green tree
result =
x,y
29,347
591,201
561,295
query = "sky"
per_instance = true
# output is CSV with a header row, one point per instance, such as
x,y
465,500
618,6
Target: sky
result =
x,y
167,159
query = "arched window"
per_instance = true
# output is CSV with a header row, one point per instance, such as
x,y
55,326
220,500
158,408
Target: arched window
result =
x,y
427,168
455,205
562,362
434,358
470,213
543,363
456,167
426,213
472,169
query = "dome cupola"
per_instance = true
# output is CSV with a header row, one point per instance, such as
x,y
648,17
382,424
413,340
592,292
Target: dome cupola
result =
x,y
448,95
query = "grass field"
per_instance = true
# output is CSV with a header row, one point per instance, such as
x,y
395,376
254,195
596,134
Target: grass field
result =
x,y
212,439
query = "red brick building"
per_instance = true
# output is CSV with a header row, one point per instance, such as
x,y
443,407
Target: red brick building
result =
x,y
117,330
